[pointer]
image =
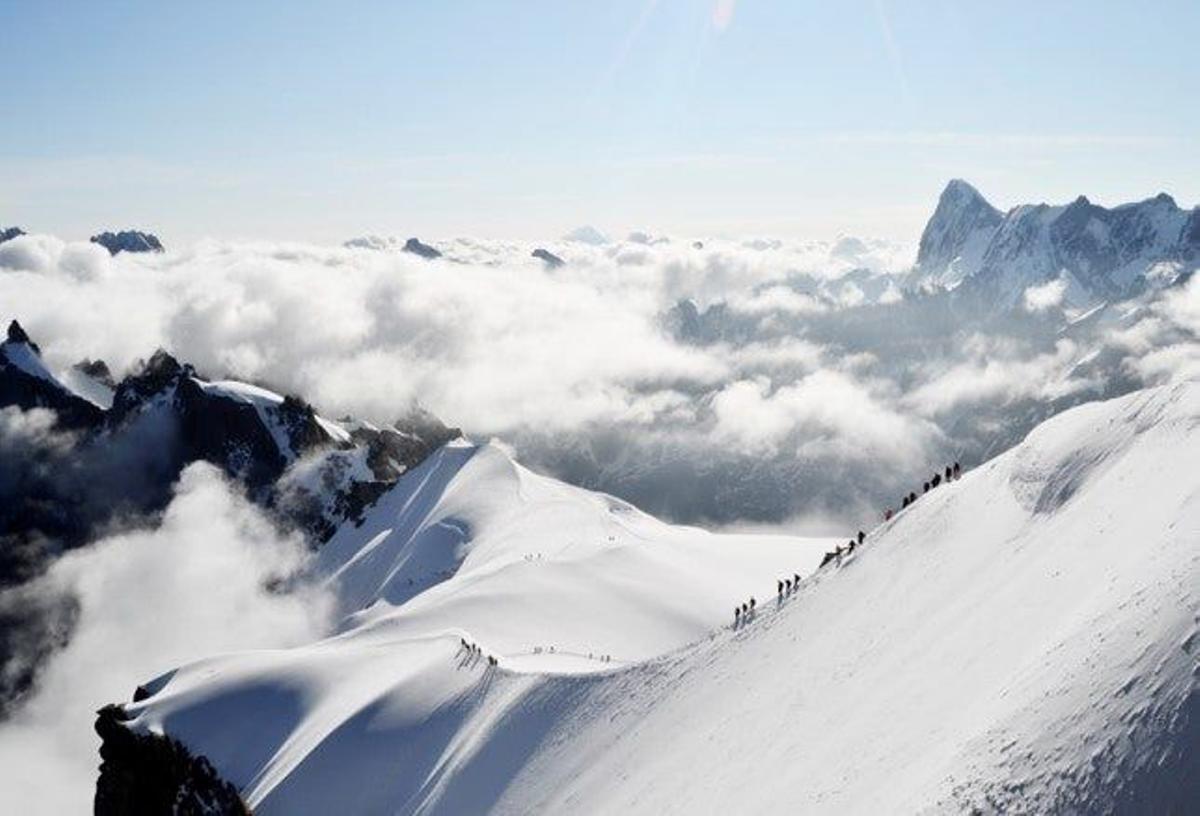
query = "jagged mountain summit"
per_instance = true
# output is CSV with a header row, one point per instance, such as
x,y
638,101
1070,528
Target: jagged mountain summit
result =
x,y
957,236
1101,254
1012,642
131,439
128,241
8,233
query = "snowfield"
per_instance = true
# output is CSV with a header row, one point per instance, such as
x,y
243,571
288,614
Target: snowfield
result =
x,y
1025,639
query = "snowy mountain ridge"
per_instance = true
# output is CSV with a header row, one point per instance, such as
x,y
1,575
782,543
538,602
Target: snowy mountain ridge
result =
x,y
138,434
1012,642
1102,254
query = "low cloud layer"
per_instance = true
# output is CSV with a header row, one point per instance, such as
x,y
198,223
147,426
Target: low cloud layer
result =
x,y
146,601
797,379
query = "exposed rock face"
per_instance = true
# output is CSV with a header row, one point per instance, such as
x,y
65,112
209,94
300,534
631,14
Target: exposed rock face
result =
x,y
341,483
8,233
151,775
551,260
1103,254
414,246
127,241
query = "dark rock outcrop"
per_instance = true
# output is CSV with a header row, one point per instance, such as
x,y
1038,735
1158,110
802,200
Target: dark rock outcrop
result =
x,y
97,370
152,775
217,427
128,241
16,334
8,233
424,250
551,260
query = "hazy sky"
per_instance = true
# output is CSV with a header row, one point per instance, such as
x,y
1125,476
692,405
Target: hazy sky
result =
x,y
785,117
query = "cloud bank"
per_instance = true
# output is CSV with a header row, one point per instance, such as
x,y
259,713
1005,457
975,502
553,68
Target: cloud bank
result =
x,y
147,600
707,380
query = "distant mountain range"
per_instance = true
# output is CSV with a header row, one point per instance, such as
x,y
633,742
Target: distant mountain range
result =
x,y
114,242
1101,254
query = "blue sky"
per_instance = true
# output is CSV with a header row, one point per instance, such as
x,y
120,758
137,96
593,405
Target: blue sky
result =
x,y
524,119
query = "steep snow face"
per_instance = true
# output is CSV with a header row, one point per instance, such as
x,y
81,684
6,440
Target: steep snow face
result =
x,y
1103,254
471,541
1025,639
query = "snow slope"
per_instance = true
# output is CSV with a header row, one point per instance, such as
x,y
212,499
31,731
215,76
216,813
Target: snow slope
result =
x,y
1025,639
553,580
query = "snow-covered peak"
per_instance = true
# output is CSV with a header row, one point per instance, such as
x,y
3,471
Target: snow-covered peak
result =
x,y
1108,252
956,237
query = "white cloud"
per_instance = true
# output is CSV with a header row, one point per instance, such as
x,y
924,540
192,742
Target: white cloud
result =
x,y
150,600
827,412
1045,296
575,365
995,374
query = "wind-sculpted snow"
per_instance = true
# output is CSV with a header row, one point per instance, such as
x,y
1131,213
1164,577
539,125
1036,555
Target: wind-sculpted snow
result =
x,y
981,652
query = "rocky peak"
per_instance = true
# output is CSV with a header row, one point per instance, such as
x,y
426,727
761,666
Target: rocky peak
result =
x,y
16,334
416,247
958,232
128,241
551,260
152,377
8,233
